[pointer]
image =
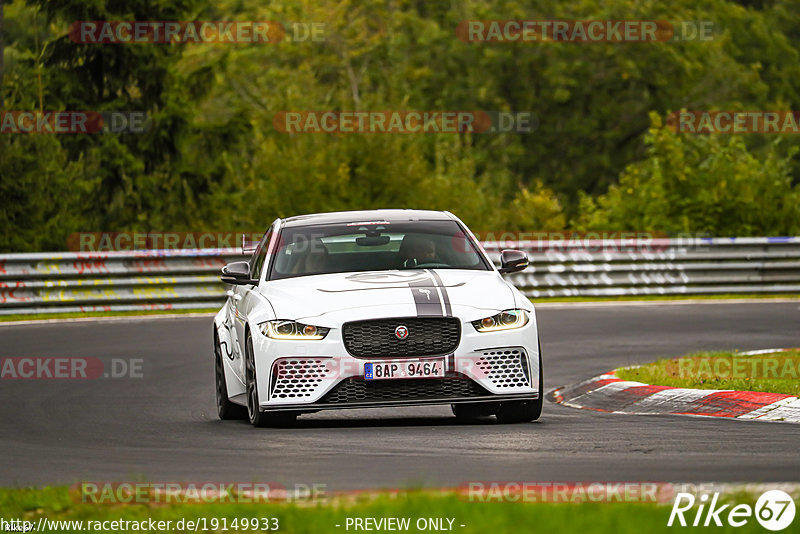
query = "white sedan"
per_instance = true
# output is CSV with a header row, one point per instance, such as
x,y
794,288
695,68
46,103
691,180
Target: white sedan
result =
x,y
376,308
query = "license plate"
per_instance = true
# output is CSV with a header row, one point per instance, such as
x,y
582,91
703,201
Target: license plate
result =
x,y
404,369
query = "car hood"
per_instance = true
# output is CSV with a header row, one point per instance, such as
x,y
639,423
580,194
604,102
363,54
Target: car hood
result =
x,y
332,298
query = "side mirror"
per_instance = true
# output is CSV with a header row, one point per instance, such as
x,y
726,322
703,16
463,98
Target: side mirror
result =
x,y
512,261
237,273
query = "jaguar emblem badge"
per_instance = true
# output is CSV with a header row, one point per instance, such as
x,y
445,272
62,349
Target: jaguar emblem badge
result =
x,y
401,332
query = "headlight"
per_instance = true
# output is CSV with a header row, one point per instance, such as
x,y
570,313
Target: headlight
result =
x,y
292,330
505,320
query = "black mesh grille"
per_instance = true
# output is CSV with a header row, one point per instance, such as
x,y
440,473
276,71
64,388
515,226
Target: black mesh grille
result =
x,y
506,368
359,390
427,336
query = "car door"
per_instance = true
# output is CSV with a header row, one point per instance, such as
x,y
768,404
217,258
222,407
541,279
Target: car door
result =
x,y
243,299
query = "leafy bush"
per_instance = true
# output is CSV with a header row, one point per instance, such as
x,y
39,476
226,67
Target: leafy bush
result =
x,y
700,183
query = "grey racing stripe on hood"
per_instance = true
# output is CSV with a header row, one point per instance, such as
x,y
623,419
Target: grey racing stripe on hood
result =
x,y
448,310
426,298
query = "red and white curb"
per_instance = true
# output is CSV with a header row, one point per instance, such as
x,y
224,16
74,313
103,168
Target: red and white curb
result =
x,y
608,393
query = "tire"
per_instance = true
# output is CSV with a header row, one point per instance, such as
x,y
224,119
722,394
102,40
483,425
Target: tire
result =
x,y
226,410
523,411
471,412
258,418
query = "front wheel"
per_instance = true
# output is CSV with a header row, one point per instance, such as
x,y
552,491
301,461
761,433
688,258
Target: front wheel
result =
x,y
519,411
226,410
257,417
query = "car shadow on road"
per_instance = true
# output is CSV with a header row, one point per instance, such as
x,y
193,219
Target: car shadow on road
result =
x,y
340,422
312,423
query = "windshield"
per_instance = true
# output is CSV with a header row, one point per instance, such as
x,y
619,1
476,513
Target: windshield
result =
x,y
377,246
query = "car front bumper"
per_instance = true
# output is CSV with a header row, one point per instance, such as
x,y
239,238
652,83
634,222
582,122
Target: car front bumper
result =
x,y
317,375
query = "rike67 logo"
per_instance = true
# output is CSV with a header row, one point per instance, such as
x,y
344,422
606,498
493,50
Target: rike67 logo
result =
x,y
774,510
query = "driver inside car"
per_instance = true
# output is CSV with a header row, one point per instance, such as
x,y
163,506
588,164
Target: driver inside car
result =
x,y
417,250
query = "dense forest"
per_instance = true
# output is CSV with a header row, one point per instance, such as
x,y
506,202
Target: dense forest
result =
x,y
601,157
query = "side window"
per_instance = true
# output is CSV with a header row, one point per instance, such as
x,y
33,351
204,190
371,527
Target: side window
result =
x,y
260,255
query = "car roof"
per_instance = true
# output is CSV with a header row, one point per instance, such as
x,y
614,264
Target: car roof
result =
x,y
391,215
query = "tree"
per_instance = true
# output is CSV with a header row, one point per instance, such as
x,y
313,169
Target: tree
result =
x,y
2,53
699,183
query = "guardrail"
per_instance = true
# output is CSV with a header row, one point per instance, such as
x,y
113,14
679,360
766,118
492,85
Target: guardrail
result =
x,y
113,281
695,266
189,279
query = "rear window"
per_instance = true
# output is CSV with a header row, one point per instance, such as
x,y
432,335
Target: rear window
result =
x,y
379,246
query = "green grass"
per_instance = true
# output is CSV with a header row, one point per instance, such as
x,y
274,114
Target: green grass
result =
x,y
772,373
89,315
478,517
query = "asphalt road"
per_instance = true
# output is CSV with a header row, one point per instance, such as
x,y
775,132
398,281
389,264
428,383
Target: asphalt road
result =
x,y
163,426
